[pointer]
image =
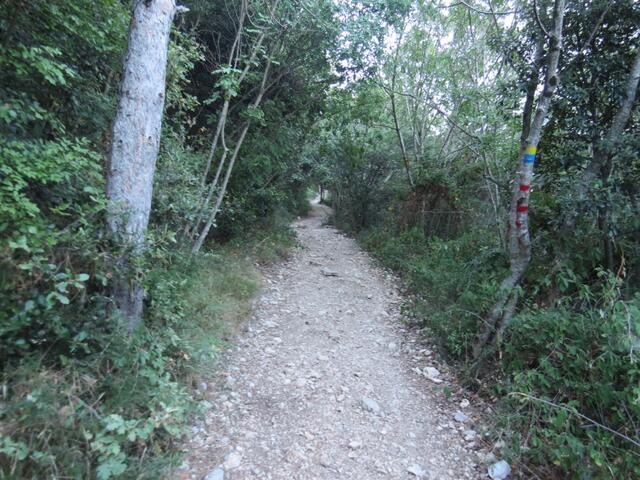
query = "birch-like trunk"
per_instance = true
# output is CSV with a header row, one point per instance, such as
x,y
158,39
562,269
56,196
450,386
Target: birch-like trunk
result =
x,y
192,229
223,188
519,236
394,113
134,147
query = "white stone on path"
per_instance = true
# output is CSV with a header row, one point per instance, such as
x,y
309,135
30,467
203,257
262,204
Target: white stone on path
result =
x,y
417,471
499,470
217,474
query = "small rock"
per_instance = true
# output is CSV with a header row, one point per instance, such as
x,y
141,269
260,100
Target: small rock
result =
x,y
499,470
486,458
470,435
464,403
432,374
202,386
233,460
355,444
370,405
417,470
217,474
328,273
460,417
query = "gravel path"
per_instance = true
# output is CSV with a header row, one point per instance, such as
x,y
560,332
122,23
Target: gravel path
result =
x,y
325,383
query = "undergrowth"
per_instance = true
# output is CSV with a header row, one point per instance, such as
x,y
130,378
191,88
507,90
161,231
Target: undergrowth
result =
x,y
115,405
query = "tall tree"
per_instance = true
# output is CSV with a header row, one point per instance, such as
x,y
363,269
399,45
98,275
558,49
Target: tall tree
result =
x,y
134,146
519,236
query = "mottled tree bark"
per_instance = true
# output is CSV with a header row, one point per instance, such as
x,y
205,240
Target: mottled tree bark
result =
x,y
134,147
519,239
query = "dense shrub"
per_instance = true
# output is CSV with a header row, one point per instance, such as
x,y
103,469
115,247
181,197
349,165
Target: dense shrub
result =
x,y
115,405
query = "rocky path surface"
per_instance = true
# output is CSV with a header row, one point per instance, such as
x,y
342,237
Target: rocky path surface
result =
x,y
325,383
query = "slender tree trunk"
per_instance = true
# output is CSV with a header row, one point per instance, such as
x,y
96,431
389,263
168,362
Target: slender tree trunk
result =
x,y
234,58
531,92
403,148
212,186
519,238
223,188
214,144
602,164
134,147
612,137
235,50
394,113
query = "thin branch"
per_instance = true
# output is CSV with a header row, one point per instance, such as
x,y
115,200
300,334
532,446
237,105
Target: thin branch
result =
x,y
578,414
538,21
482,12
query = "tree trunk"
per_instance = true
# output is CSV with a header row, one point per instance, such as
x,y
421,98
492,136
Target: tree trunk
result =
x,y
394,113
223,188
134,147
192,229
602,164
611,139
519,235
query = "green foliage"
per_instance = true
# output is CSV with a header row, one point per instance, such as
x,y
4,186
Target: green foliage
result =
x,y
228,80
451,280
80,399
37,280
576,374
184,53
88,422
565,373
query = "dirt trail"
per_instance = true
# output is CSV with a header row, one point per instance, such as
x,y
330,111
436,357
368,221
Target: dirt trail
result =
x,y
325,383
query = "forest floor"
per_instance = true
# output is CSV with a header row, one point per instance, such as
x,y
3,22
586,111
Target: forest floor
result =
x,y
325,381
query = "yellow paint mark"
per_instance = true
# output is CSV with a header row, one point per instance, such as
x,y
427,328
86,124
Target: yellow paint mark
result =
x,y
531,150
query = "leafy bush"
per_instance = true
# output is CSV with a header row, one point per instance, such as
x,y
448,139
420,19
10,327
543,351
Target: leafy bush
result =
x,y
114,405
450,280
39,275
573,377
